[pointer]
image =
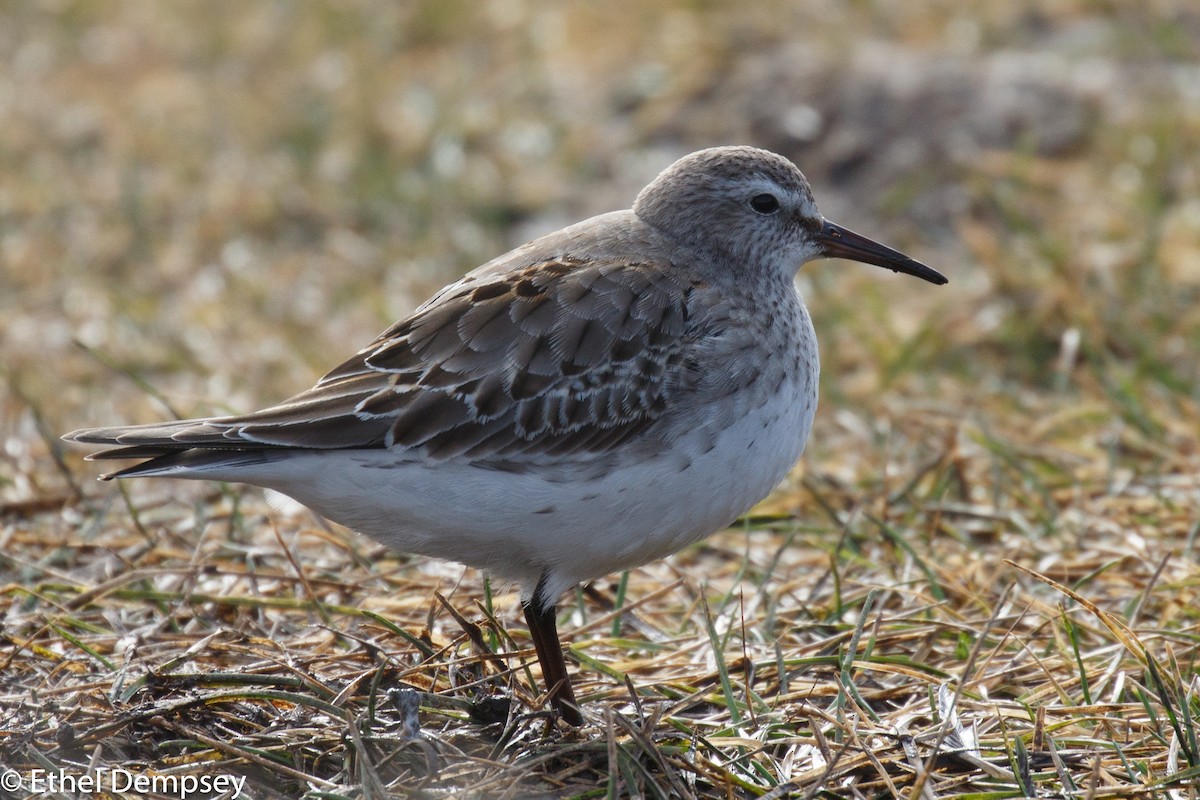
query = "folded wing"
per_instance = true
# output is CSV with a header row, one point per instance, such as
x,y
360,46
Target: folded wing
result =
x,y
561,358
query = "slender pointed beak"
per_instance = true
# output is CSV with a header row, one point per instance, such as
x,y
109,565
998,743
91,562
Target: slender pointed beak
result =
x,y
839,242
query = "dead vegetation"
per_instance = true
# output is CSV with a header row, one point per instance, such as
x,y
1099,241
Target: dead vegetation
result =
x,y
981,581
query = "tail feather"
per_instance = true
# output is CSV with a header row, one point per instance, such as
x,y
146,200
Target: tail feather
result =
x,y
184,433
194,463
187,448
147,451
332,432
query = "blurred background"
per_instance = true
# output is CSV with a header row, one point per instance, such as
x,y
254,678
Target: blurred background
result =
x,y
205,206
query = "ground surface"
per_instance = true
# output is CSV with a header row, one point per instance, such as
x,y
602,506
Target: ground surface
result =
x,y
981,581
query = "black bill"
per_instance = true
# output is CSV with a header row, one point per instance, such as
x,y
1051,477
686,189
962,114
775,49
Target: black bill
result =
x,y
839,242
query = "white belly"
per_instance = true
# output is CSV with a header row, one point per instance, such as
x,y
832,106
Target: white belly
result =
x,y
570,522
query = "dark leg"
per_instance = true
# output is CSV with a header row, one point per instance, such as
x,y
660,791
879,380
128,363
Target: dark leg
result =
x,y
543,628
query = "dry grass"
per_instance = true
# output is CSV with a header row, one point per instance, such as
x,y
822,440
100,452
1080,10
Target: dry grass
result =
x,y
981,581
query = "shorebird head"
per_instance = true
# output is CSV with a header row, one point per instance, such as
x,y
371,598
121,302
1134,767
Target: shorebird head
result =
x,y
755,210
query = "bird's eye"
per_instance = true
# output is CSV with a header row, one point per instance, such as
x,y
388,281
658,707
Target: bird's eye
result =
x,y
764,203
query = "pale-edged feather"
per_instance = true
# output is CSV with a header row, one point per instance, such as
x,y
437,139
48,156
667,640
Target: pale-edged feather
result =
x,y
560,358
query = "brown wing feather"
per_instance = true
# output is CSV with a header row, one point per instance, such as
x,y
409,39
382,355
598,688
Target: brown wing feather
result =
x,y
559,358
